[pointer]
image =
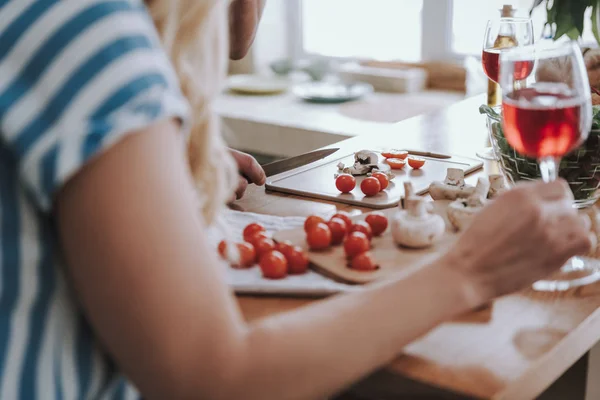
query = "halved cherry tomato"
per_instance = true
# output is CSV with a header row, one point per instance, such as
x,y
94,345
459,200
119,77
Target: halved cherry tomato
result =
x,y
416,162
245,257
396,163
345,183
283,247
222,249
251,230
338,230
364,262
378,222
362,226
273,265
247,254
346,217
356,243
297,261
263,246
319,237
312,221
256,237
382,178
370,186
401,154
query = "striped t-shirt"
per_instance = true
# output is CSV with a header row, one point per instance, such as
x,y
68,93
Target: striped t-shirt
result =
x,y
75,76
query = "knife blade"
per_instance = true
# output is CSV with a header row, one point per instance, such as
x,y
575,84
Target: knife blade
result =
x,y
287,164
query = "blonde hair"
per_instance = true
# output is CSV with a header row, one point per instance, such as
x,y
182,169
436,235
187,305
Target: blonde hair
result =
x,y
194,34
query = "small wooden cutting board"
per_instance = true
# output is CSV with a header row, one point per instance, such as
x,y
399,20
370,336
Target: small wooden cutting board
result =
x,y
391,258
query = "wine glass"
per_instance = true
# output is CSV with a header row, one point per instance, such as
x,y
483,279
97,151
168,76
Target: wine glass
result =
x,y
500,35
547,113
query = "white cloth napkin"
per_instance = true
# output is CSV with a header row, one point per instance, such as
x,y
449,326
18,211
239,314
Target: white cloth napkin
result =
x,y
250,281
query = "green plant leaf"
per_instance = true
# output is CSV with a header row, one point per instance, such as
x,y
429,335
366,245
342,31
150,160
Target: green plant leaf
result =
x,y
577,8
487,110
595,17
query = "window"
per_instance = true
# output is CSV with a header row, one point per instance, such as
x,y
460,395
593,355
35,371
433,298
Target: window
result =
x,y
377,29
407,30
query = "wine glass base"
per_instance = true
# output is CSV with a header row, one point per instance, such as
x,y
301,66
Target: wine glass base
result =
x,y
487,153
578,271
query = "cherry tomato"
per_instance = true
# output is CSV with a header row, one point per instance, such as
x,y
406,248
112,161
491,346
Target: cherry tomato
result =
x,y
319,237
382,178
273,265
356,243
416,162
345,183
256,237
263,245
222,249
297,261
245,257
378,222
312,221
370,186
362,226
283,247
396,163
401,154
364,262
251,230
338,230
346,217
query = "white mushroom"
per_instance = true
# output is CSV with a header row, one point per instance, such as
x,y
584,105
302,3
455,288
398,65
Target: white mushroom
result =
x,y
462,211
497,185
453,187
409,191
414,227
364,162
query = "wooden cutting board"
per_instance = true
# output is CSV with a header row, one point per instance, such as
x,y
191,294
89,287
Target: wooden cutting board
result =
x,y
317,180
391,258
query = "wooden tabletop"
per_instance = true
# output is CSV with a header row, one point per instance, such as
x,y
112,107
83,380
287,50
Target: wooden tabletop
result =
x,y
512,350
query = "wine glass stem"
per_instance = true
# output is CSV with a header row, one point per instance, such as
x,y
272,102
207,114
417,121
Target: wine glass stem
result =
x,y
549,168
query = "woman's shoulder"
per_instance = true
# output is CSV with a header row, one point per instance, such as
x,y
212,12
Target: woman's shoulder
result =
x,y
75,75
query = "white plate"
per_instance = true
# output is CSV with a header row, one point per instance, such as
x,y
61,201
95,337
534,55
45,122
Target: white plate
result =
x,y
257,84
328,92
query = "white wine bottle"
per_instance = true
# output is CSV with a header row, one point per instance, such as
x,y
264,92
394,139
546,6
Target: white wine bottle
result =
x,y
506,38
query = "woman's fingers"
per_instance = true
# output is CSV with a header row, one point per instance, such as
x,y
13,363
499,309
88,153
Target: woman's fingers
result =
x,y
555,190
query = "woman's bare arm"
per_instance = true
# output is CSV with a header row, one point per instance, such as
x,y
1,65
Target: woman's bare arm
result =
x,y
155,293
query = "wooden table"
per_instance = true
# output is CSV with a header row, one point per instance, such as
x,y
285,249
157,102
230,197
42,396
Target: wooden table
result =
x,y
513,350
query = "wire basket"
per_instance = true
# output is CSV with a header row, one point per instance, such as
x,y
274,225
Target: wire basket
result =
x,y
580,168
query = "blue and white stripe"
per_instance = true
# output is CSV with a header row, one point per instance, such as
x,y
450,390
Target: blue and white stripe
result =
x,y
75,76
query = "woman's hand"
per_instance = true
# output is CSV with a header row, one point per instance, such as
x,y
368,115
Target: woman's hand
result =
x,y
521,237
250,172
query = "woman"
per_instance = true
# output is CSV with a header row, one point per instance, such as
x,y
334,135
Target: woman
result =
x,y
100,224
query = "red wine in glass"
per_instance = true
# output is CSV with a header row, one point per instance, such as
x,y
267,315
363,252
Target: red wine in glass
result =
x,y
546,117
491,65
543,122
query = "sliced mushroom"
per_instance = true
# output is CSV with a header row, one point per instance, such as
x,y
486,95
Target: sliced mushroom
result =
x,y
462,211
497,185
453,187
415,227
